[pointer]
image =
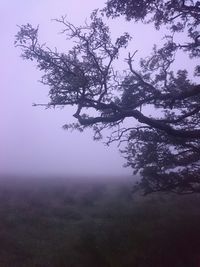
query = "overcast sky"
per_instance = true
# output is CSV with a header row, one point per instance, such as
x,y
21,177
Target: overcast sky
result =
x,y
32,140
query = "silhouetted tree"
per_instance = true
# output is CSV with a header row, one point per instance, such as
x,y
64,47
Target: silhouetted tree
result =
x,y
164,147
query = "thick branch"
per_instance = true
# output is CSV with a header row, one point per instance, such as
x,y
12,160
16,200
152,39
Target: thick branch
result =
x,y
142,119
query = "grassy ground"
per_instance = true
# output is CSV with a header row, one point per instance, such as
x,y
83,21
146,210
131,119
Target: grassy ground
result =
x,y
82,224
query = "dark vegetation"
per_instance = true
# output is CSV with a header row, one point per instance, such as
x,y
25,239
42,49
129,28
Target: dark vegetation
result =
x,y
162,147
102,224
61,223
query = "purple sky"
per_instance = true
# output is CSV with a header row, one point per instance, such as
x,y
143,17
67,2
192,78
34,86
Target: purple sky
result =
x,y
32,140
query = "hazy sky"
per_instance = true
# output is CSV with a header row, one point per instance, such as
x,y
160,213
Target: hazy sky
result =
x,y
32,140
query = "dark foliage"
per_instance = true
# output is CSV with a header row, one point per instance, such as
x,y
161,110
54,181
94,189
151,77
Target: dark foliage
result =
x,y
164,147
38,229
178,13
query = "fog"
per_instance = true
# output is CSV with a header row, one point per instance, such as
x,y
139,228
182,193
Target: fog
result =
x,y
32,140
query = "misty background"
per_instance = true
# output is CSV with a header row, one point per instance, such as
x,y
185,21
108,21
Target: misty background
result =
x,y
32,140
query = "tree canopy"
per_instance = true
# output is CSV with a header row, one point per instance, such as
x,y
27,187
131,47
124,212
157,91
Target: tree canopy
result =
x,y
164,147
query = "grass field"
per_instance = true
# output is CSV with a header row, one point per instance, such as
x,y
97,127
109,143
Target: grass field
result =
x,y
58,223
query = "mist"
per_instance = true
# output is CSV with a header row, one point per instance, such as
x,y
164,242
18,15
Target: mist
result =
x,y
65,199
32,140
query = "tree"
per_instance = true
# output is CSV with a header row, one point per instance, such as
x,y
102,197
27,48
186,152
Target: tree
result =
x,y
164,147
